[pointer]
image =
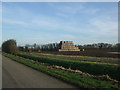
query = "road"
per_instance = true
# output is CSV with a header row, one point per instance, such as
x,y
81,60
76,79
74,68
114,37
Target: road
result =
x,y
16,75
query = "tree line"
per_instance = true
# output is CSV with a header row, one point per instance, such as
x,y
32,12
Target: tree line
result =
x,y
37,48
10,46
100,46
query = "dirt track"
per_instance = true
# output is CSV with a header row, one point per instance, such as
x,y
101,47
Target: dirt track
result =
x,y
16,75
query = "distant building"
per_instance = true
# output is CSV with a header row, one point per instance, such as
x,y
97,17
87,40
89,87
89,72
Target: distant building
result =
x,y
68,46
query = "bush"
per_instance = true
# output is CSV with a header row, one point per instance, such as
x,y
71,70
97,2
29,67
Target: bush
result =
x,y
10,46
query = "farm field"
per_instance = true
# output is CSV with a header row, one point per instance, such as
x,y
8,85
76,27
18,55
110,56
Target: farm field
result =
x,y
80,58
87,52
91,65
81,80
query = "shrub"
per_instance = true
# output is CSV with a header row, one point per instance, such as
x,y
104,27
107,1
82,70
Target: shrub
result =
x,y
10,46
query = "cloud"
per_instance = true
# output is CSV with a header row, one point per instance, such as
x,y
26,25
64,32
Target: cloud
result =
x,y
55,24
66,28
68,9
62,15
104,27
67,36
98,27
14,22
91,11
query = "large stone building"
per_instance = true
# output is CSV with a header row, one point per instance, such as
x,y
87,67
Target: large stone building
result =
x,y
68,46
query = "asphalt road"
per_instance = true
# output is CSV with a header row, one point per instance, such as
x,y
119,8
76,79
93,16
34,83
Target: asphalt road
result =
x,y
16,75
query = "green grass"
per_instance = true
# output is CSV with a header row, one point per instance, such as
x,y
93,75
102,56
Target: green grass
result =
x,y
76,79
81,58
94,68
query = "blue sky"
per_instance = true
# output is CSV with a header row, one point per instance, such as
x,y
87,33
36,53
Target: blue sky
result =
x,y
41,23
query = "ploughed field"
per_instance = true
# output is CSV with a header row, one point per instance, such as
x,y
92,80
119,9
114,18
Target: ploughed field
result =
x,y
92,65
93,53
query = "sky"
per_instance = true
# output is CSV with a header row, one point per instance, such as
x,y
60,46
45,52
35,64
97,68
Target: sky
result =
x,y
49,22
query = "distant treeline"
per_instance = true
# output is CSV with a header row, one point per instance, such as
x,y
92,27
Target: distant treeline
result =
x,y
56,46
10,46
100,46
38,48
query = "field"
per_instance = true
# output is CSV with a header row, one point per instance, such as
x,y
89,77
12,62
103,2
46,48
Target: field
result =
x,y
83,71
82,80
93,53
91,65
79,57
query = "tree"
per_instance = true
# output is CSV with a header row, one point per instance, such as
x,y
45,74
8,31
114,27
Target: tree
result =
x,y
10,46
27,46
35,45
21,48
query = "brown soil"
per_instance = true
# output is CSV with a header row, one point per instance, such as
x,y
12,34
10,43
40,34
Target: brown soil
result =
x,y
94,53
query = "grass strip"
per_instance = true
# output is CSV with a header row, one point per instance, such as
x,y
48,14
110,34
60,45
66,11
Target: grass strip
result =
x,y
79,80
94,68
81,58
